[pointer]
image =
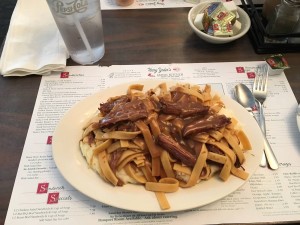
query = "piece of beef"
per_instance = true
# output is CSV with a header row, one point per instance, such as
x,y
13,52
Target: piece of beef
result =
x,y
125,111
183,109
176,150
106,107
212,122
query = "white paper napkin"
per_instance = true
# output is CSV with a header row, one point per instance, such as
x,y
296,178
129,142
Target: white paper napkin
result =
x,y
33,43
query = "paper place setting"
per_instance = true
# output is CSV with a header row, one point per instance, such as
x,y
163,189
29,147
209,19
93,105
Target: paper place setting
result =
x,y
42,195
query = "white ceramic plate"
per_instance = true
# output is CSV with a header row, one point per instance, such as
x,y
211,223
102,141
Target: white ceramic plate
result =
x,y
74,169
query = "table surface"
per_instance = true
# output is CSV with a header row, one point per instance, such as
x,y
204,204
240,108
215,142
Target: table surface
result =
x,y
143,36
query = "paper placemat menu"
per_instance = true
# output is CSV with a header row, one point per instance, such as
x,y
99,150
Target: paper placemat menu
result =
x,y
42,196
146,4
149,4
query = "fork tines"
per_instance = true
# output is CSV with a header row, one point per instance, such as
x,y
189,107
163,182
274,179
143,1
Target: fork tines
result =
x,y
261,78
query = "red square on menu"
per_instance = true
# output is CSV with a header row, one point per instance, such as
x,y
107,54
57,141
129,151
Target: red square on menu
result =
x,y
49,140
53,198
42,188
251,75
240,69
64,75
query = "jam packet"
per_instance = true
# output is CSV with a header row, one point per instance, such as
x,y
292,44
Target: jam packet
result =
x,y
222,29
276,64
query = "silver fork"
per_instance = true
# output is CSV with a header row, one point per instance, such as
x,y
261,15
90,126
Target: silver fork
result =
x,y
260,93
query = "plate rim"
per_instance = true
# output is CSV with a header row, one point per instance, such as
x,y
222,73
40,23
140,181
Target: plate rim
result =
x,y
87,101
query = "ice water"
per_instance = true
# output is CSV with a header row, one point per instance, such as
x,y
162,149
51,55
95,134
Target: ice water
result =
x,y
80,24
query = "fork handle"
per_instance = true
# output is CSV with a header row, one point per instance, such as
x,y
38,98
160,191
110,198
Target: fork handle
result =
x,y
262,121
271,158
262,124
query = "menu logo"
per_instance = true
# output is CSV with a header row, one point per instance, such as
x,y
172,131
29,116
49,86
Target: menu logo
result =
x,y
64,75
49,140
77,6
42,188
53,198
240,69
251,75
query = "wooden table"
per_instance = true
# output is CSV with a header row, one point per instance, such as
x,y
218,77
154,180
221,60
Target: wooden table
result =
x,y
149,36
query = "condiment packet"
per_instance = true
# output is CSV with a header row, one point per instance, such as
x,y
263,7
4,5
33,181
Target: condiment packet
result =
x,y
222,29
198,21
212,7
237,26
217,20
205,21
230,6
276,64
222,14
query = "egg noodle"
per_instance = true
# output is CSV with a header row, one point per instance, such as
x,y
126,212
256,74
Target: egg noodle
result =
x,y
165,139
